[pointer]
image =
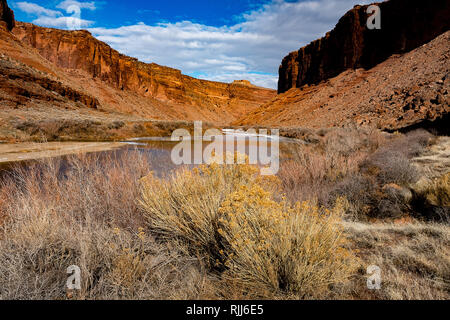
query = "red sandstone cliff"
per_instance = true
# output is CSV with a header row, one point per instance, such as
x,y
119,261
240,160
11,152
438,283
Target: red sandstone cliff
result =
x,y
405,25
405,91
6,15
65,85
79,50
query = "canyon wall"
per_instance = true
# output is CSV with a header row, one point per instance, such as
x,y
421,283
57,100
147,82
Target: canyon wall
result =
x,y
6,15
80,50
405,25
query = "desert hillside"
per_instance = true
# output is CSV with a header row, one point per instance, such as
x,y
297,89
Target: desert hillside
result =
x,y
192,98
57,84
405,25
404,91
391,78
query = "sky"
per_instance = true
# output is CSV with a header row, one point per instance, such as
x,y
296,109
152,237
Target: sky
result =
x,y
220,40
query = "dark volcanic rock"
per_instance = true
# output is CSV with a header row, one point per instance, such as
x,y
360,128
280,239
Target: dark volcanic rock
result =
x,y
405,25
6,15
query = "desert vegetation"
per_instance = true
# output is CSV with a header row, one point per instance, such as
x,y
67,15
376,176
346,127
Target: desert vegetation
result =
x,y
347,199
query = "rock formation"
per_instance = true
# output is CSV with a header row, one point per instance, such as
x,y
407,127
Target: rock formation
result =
x,y
79,50
402,93
243,83
6,15
405,25
20,83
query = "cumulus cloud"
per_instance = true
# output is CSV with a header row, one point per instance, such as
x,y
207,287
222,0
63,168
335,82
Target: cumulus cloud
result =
x,y
32,8
58,19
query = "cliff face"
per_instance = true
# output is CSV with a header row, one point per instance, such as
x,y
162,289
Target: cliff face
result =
x,y
6,15
80,50
404,92
405,25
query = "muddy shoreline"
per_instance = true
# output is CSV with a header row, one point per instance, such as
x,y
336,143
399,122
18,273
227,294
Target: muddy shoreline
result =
x,y
10,153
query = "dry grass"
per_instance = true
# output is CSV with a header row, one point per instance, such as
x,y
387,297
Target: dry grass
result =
x,y
438,192
185,245
223,232
84,212
359,164
414,259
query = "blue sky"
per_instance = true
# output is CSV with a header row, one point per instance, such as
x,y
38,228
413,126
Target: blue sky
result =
x,y
115,13
217,40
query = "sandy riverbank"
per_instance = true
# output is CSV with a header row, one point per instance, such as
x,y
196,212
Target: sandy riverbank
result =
x,y
33,151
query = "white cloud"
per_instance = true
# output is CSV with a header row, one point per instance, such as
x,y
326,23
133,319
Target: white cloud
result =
x,y
32,8
251,49
66,4
63,22
57,19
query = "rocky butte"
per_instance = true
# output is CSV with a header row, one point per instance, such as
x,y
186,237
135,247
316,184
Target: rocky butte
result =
x,y
405,25
6,15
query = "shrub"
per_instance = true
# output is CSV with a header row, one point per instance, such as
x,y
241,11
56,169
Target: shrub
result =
x,y
438,192
275,248
230,215
186,206
432,202
415,142
314,172
359,191
391,166
84,212
345,141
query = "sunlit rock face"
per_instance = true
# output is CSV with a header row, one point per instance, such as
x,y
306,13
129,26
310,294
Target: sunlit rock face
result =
x,y
79,50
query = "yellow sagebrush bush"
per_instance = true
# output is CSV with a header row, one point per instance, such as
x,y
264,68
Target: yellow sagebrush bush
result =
x,y
185,207
277,248
231,215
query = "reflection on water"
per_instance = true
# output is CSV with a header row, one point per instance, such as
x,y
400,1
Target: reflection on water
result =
x,y
254,145
158,149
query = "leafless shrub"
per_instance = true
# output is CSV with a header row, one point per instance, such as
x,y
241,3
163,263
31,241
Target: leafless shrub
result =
x,y
346,141
315,169
410,144
358,190
84,212
391,166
